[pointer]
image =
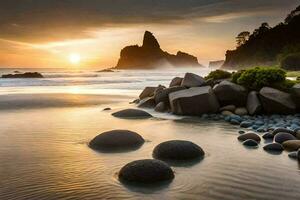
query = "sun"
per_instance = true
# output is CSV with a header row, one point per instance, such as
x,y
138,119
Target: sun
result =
x,y
74,58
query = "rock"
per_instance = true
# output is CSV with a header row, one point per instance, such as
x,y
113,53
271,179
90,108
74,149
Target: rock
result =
x,y
298,136
247,136
163,95
268,136
105,109
150,55
226,113
293,155
106,70
282,137
161,107
24,75
147,102
234,122
250,142
273,147
283,130
291,145
241,111
132,113
192,80
229,93
177,150
146,171
253,104
246,124
241,132
275,101
147,92
136,101
176,82
296,95
230,108
116,140
194,101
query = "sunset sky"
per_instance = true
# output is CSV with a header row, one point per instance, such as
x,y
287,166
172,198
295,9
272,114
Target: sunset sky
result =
x,y
91,33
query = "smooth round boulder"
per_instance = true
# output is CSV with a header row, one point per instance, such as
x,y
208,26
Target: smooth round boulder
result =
x,y
131,113
178,150
291,145
282,137
250,143
146,171
273,147
116,140
247,136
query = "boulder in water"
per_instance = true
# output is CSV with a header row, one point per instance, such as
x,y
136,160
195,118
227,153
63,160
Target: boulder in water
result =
x,y
163,95
132,113
146,171
24,75
147,92
177,150
250,143
161,107
147,102
116,140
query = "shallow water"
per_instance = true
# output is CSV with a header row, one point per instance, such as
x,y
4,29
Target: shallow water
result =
x,y
44,155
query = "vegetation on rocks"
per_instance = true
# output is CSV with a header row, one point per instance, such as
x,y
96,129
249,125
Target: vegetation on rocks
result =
x,y
218,74
291,62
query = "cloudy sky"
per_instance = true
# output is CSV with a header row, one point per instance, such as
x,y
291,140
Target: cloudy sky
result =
x,y
44,33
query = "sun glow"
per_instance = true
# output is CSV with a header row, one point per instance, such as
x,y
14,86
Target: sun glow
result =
x,y
74,58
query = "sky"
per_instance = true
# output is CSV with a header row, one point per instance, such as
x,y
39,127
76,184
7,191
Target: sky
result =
x,y
91,33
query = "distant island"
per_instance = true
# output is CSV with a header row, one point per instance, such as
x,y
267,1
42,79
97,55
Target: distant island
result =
x,y
279,45
24,75
150,55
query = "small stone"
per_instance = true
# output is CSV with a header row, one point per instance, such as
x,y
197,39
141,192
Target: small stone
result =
x,y
273,147
250,142
282,137
246,124
293,155
226,113
268,136
241,132
241,111
291,145
105,109
247,136
284,130
230,108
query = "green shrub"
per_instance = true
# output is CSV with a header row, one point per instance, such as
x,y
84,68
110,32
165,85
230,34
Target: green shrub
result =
x,y
236,75
258,77
291,62
218,74
285,85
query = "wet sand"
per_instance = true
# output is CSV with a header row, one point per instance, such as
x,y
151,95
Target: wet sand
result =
x,y
44,155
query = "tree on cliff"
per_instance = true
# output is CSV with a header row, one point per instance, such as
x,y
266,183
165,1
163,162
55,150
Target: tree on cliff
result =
x,y
242,38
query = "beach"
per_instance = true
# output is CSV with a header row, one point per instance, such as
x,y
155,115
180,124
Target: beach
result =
x,y
44,151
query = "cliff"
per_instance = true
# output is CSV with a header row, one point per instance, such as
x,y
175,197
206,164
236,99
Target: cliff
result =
x,y
150,55
266,45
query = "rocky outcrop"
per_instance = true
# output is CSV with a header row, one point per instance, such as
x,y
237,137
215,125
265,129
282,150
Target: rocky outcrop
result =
x,y
176,82
146,171
194,101
276,101
229,93
163,95
116,140
24,75
150,55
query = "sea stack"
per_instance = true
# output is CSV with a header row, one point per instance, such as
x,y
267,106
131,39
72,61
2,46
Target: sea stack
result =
x,y
150,55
